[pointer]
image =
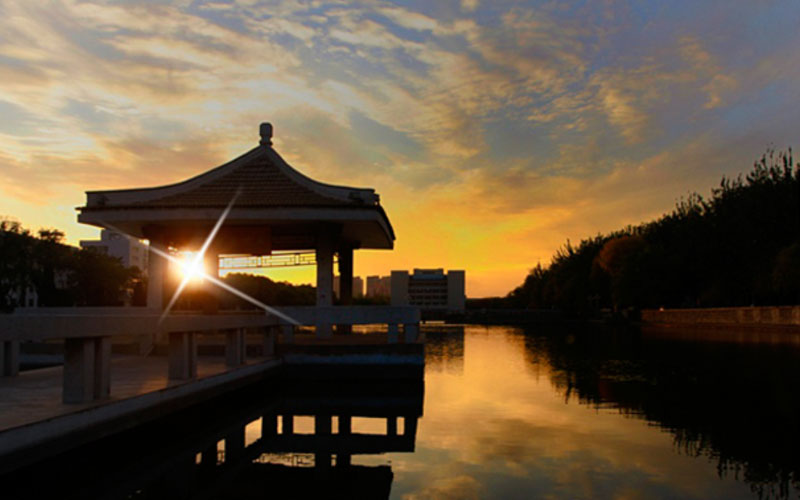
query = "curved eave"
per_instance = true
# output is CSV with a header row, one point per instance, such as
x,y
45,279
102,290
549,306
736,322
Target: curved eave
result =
x,y
123,197
371,222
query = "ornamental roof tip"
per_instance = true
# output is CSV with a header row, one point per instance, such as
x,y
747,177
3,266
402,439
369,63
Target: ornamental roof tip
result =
x,y
265,131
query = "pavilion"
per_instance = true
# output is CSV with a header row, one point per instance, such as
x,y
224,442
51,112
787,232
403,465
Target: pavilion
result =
x,y
275,208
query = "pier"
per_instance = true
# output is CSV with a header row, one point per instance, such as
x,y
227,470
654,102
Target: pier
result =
x,y
96,393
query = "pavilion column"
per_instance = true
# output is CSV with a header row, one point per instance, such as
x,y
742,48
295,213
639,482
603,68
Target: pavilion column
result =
x,y
156,271
324,280
211,266
157,267
345,283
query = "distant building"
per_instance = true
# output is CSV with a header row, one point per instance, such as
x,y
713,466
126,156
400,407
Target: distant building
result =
x,y
130,252
358,286
430,289
379,286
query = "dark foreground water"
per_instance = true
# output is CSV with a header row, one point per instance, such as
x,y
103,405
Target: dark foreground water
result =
x,y
571,412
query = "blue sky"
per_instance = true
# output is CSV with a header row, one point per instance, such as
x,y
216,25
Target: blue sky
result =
x,y
493,131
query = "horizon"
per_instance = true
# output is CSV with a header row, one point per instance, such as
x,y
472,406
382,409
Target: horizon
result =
x,y
493,134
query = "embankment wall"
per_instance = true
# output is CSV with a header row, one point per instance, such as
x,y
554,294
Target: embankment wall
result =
x,y
780,316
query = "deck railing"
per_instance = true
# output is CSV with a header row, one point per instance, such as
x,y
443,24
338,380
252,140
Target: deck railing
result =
x,y
88,332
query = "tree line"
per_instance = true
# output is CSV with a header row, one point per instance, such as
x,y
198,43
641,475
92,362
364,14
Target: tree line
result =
x,y
64,276
739,247
59,274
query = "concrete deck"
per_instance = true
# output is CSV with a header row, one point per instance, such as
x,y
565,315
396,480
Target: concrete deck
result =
x,y
32,415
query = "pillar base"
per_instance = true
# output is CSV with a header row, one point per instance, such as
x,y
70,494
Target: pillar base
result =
x,y
235,347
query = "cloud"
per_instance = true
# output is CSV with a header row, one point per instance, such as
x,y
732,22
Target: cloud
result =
x,y
527,123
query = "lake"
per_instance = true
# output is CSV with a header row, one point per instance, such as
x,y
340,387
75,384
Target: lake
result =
x,y
591,413
503,412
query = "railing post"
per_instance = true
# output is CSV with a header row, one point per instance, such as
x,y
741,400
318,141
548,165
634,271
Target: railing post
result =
x,y
345,425
9,358
182,355
322,424
235,347
269,425
287,421
391,426
209,457
234,444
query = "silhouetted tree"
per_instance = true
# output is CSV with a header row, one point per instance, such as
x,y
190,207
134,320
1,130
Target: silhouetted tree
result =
x,y
737,247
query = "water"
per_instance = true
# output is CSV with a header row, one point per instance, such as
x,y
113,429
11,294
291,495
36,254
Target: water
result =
x,y
569,412
586,413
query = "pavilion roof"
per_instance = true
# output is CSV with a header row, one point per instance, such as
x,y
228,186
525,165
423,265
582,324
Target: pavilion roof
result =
x,y
263,183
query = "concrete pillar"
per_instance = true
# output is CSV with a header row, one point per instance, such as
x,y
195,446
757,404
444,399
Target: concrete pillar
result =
x,y
270,338
79,365
324,280
391,426
182,356
346,276
287,421
345,425
345,284
411,331
156,271
102,367
234,444
269,425
322,424
9,358
211,266
157,267
235,347
288,333
393,333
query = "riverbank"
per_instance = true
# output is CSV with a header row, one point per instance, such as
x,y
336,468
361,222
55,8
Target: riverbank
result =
x,y
782,318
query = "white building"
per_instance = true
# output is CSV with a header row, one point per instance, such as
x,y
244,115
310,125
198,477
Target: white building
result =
x,y
131,252
430,290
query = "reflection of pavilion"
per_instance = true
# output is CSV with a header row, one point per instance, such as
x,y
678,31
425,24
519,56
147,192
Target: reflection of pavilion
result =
x,y
326,477
276,208
235,449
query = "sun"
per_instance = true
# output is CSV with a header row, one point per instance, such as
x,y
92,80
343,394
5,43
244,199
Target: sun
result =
x,y
191,267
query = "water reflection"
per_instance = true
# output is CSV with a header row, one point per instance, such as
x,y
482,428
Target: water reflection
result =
x,y
736,404
573,412
256,443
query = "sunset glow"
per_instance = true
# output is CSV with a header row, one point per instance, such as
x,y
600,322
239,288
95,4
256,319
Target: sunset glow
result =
x,y
493,132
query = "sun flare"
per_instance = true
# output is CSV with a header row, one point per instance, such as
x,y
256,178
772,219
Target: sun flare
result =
x,y
191,267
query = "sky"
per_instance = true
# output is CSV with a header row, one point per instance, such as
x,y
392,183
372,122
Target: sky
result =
x,y
493,131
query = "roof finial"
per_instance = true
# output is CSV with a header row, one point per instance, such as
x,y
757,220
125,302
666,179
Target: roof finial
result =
x,y
266,134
